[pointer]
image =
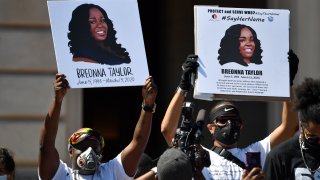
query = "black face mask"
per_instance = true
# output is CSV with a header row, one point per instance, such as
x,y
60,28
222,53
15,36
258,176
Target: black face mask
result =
x,y
227,134
311,146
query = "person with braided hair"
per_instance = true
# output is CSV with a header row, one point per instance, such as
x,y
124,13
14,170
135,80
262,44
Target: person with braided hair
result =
x,y
227,160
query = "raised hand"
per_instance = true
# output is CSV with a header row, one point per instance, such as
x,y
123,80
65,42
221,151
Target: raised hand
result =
x,y
188,68
254,174
293,65
60,87
149,92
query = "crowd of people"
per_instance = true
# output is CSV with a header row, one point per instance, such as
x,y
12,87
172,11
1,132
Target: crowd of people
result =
x,y
290,151
85,145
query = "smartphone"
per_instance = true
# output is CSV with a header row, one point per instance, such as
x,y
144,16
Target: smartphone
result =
x,y
253,160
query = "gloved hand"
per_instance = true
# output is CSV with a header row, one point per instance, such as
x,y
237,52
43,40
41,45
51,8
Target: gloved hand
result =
x,y
188,68
293,65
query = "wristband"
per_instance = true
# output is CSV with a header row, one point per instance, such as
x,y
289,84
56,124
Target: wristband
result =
x,y
154,169
182,91
148,108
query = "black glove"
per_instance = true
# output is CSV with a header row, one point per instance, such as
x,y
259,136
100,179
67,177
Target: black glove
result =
x,y
293,65
189,67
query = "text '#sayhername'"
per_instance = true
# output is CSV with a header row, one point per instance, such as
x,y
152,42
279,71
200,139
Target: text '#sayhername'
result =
x,y
239,18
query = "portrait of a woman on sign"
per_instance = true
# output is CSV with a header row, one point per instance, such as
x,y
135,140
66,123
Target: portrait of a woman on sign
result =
x,y
241,45
92,37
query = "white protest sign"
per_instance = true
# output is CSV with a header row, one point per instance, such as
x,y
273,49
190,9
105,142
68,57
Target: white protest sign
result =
x,y
98,43
242,53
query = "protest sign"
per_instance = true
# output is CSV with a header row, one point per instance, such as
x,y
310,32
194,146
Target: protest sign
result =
x,y
98,43
242,53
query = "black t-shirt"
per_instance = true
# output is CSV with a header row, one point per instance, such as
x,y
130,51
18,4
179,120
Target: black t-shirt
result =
x,y
285,162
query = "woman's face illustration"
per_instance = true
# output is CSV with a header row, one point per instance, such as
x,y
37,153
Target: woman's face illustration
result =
x,y
247,44
98,26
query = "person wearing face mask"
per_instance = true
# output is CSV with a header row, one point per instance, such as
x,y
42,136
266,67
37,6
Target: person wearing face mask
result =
x,y
7,165
227,160
299,157
85,145
85,159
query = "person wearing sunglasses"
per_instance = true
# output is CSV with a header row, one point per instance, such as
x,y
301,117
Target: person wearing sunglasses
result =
x,y
299,157
227,160
85,145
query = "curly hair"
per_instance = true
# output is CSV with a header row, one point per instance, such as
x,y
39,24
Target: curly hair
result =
x,y
307,100
80,36
7,160
229,46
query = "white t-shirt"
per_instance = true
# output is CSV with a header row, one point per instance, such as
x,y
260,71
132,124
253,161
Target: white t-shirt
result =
x,y
106,171
222,168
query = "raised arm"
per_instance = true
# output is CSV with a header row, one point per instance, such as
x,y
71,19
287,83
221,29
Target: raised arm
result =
x,y
170,121
289,124
48,154
131,154
171,118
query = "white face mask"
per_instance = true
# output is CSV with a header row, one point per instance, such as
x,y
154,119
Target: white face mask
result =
x,y
88,161
4,177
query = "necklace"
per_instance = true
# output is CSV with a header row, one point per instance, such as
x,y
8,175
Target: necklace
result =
x,y
304,158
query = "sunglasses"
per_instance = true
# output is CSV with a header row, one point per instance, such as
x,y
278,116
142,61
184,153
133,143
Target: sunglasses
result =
x,y
83,145
223,120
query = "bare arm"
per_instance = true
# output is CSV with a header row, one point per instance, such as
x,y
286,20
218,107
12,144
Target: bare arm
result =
x,y
171,118
48,155
147,176
131,154
288,126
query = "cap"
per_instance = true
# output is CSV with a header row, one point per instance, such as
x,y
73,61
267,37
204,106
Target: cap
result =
x,y
174,164
144,165
83,134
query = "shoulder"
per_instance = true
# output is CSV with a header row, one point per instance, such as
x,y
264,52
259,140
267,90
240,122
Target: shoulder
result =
x,y
254,65
263,144
83,59
114,168
113,163
63,172
288,147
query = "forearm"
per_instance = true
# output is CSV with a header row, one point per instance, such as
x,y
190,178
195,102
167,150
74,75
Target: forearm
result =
x,y
142,130
132,153
48,157
51,123
148,176
288,126
171,119
290,118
